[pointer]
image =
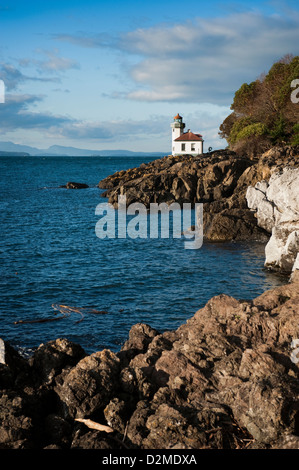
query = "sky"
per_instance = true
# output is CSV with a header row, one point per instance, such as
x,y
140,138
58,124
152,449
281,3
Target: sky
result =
x,y
113,74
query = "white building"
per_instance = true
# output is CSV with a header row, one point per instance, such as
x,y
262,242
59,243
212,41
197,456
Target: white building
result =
x,y
185,143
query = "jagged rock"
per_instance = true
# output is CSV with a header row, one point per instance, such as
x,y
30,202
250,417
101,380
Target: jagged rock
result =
x,y
89,385
51,358
140,335
178,179
117,413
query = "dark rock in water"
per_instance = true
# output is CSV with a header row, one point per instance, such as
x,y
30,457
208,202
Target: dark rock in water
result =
x,y
225,379
72,185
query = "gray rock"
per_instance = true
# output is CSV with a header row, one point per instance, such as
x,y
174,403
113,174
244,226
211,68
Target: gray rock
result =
x,y
276,205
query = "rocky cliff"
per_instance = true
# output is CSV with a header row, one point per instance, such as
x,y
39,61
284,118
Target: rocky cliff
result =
x,y
219,180
225,379
276,204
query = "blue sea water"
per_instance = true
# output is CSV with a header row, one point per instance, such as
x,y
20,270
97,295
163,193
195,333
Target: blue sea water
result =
x,y
50,255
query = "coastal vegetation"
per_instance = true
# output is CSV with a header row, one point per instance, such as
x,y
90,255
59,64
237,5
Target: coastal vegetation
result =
x,y
263,113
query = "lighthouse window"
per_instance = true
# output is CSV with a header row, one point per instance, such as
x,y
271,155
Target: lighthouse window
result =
x,y
193,147
183,147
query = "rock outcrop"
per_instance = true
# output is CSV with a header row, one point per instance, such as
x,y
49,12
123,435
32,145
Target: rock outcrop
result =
x,y
219,180
276,204
74,185
225,379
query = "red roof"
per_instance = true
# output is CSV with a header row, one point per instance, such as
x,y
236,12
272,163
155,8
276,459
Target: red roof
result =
x,y
177,117
189,136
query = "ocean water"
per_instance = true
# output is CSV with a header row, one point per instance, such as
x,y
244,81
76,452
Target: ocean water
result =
x,y
50,256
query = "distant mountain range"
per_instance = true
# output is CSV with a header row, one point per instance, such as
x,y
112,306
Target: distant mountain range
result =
x,y
10,149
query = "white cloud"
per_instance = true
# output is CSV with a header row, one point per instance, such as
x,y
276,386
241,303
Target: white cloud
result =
x,y
207,60
203,60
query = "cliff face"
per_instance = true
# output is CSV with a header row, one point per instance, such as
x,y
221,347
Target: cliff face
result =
x,y
276,203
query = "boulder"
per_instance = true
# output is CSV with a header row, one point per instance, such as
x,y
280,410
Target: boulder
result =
x,y
51,358
89,386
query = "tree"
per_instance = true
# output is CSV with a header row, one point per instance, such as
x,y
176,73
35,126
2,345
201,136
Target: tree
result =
x,y
263,114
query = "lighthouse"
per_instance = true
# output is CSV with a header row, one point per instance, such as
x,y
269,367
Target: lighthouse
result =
x,y
184,143
177,127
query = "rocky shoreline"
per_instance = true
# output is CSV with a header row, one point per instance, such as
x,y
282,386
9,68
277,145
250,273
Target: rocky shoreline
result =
x,y
226,379
220,180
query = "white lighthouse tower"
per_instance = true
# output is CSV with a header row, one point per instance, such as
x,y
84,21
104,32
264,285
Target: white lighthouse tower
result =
x,y
177,129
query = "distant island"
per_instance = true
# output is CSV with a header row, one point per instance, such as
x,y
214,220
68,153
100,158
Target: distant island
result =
x,y
8,149
14,154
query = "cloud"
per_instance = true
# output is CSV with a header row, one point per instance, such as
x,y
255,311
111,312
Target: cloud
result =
x,y
15,114
203,60
53,62
207,61
13,77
